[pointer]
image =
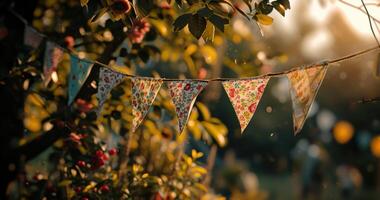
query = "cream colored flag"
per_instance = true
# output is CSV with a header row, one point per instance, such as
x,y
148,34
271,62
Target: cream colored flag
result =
x,y
304,87
244,96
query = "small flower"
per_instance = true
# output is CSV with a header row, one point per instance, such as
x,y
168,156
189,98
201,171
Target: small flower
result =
x,y
165,5
81,163
104,188
69,41
112,151
138,30
83,106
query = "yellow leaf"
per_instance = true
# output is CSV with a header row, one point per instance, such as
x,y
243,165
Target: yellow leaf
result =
x,y
32,124
217,132
64,183
209,53
195,129
264,19
204,110
209,33
161,26
89,186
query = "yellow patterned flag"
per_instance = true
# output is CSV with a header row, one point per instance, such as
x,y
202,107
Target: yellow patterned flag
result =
x,y
304,87
244,96
144,91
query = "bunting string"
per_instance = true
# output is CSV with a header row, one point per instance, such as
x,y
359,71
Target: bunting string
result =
x,y
276,74
244,93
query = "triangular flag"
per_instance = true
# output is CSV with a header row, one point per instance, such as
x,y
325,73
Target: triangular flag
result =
x,y
53,55
108,79
32,38
304,87
144,91
79,71
184,93
244,96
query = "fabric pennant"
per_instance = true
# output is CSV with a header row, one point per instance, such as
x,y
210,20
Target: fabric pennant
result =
x,y
183,94
108,79
304,88
144,91
32,38
79,71
53,55
244,96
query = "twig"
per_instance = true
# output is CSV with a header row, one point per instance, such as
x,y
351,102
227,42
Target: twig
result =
x,y
370,23
359,8
369,100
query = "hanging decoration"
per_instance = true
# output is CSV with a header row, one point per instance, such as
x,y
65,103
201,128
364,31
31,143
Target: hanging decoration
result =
x,y
79,71
53,56
144,91
183,94
244,96
108,79
304,87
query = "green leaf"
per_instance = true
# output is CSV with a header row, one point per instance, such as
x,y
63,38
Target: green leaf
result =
x,y
181,22
205,12
197,25
218,21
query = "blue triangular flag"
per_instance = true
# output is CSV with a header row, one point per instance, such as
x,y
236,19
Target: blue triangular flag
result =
x,y
80,69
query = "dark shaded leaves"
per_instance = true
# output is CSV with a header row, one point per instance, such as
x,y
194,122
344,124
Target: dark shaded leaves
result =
x,y
218,22
181,22
197,25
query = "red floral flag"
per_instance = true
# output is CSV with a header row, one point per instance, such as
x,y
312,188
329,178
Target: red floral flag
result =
x,y
244,96
108,79
53,55
184,93
304,87
144,91
32,38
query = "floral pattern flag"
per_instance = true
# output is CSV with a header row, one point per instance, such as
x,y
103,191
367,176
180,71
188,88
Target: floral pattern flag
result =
x,y
184,93
32,38
304,87
108,79
144,91
53,55
79,71
244,96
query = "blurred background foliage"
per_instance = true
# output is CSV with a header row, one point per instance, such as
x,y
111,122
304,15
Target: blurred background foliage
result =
x,y
335,156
